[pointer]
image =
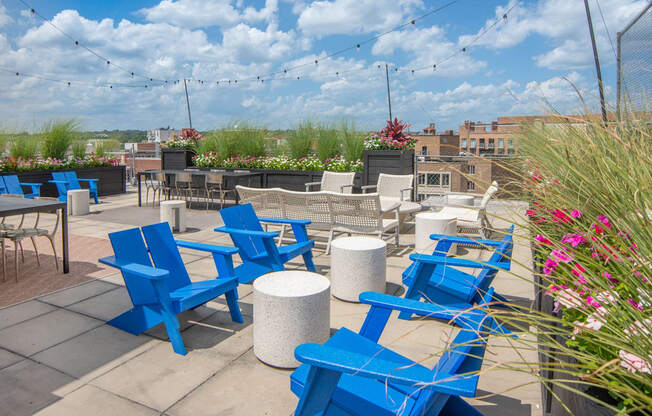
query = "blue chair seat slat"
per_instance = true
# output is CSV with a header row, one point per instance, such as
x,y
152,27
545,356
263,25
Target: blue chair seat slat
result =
x,y
198,293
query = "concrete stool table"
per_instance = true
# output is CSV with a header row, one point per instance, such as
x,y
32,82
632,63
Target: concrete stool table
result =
x,y
78,201
290,309
174,213
460,200
433,223
358,264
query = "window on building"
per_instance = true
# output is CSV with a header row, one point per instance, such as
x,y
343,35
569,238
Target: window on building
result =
x,y
424,150
471,169
444,140
421,179
501,143
491,143
434,179
445,179
470,186
463,144
481,144
510,146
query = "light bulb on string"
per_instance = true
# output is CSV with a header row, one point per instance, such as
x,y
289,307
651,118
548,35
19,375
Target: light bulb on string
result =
x,y
464,49
316,62
414,22
68,83
108,62
434,67
413,72
76,43
505,17
32,11
357,47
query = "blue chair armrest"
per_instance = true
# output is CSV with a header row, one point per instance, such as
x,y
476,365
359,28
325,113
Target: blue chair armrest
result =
x,y
285,221
31,184
263,234
413,306
225,251
88,180
363,365
466,240
64,182
452,261
139,270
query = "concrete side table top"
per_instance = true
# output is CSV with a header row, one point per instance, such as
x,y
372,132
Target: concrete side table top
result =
x,y
291,283
359,243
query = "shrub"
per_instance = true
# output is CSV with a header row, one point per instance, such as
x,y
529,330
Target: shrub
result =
x,y
23,146
57,138
79,150
99,149
301,140
352,142
328,142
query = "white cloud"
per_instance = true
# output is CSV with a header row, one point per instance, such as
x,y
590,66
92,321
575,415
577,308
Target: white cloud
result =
x,y
245,43
5,19
564,23
193,13
322,18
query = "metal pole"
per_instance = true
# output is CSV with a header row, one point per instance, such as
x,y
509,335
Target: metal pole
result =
x,y
389,98
185,87
597,61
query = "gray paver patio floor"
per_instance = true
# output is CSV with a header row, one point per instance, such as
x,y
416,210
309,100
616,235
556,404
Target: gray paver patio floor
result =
x,y
58,357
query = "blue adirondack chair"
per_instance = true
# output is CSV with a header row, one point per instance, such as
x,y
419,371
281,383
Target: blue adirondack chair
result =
x,y
351,374
162,291
256,247
66,181
10,184
432,277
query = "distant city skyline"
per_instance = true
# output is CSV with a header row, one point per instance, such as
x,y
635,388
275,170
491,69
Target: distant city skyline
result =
x,y
489,66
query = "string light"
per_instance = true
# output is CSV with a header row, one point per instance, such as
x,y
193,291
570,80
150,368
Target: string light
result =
x,y
358,47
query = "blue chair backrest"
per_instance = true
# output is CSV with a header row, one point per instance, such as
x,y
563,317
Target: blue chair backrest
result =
x,y
165,254
243,217
12,185
3,189
464,356
62,188
73,182
129,247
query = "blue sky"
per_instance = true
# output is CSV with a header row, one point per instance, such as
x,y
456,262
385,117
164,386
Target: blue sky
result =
x,y
512,69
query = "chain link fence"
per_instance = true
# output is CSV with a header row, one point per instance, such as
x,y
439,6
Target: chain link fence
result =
x,y
635,64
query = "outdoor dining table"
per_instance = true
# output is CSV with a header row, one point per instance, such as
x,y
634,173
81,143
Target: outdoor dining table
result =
x,y
20,206
236,175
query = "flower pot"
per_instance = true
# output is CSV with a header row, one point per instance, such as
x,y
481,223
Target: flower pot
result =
x,y
395,162
176,159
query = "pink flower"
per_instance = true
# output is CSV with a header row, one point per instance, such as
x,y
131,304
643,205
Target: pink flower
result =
x,y
561,216
635,304
603,219
568,298
607,298
561,256
576,213
549,266
634,363
574,239
578,270
591,323
638,325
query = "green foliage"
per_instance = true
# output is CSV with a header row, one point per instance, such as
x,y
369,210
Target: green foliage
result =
x,y
24,146
79,149
328,142
300,140
233,141
57,138
352,142
100,151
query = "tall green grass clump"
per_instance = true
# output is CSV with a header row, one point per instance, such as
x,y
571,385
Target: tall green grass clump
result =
x,y
57,137
589,186
243,140
328,142
79,149
300,140
352,142
24,146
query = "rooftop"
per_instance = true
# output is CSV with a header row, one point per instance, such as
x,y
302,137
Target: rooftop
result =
x,y
59,357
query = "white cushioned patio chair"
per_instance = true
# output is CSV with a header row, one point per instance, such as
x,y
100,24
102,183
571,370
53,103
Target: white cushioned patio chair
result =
x,y
473,222
340,182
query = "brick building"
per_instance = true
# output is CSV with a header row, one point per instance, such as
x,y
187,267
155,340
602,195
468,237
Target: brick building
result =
x,y
432,142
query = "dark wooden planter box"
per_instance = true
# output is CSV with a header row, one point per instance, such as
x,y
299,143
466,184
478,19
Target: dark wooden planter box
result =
x,y
176,159
112,179
552,406
292,180
395,162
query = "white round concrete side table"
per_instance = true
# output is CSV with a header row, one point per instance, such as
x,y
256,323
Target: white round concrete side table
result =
x,y
433,223
78,201
460,200
174,213
290,308
358,264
